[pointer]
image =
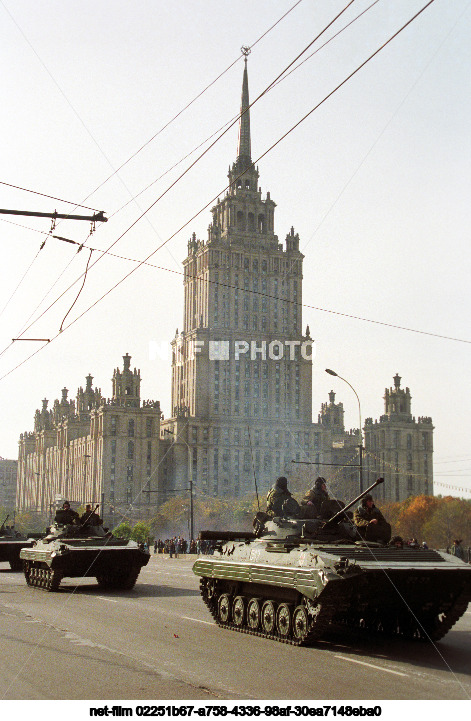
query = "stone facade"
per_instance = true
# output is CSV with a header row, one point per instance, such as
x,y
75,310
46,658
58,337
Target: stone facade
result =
x,y
8,475
93,449
399,447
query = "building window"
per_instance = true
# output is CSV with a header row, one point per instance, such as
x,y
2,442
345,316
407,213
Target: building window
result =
x,y
148,427
131,450
114,425
131,428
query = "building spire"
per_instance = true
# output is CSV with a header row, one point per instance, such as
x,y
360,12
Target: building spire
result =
x,y
244,153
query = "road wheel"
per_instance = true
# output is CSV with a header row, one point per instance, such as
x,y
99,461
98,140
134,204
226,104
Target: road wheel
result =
x,y
238,611
224,608
300,623
283,620
268,617
54,579
253,613
27,572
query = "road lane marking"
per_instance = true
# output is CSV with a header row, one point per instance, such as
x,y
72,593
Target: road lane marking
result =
x,y
371,665
103,598
188,618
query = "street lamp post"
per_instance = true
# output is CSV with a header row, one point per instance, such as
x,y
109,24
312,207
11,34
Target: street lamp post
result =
x,y
360,447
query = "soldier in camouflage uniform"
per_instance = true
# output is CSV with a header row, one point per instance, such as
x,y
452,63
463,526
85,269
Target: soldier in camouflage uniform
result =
x,y
313,501
370,522
277,497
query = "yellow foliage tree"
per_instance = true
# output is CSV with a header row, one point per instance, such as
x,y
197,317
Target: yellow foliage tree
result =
x,y
451,519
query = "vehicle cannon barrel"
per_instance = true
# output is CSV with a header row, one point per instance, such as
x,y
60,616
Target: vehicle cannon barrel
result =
x,y
352,503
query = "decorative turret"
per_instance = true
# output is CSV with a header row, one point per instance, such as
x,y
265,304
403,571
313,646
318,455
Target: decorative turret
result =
x,y
63,408
292,240
43,418
88,398
331,415
127,384
397,401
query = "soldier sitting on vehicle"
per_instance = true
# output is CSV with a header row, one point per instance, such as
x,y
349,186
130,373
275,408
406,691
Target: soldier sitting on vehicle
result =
x,y
314,502
90,518
280,501
66,515
370,522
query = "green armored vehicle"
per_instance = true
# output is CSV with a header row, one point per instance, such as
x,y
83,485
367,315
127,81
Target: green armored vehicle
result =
x,y
77,551
11,543
295,579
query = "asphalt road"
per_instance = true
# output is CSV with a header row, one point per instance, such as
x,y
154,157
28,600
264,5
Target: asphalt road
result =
x,y
159,642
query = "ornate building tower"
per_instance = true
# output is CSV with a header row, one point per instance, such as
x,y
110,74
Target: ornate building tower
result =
x,y
399,447
241,366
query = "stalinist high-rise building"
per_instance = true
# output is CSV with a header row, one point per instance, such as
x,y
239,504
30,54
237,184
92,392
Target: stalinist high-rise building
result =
x,y
241,366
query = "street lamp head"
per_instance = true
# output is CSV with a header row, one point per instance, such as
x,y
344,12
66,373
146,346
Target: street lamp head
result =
x,y
331,373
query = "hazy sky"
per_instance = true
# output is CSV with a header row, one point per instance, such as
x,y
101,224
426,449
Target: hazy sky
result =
x,y
376,182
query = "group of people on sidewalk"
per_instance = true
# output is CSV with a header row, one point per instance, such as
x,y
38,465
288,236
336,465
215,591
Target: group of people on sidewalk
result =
x,y
177,545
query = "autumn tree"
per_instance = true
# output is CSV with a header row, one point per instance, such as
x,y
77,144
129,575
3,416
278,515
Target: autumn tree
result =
x,y
415,512
451,519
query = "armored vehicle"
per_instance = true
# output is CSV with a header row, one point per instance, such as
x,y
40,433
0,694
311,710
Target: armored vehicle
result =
x,y
295,579
11,543
78,551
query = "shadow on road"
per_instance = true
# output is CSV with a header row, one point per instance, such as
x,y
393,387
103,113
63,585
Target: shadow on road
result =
x,y
140,590
452,652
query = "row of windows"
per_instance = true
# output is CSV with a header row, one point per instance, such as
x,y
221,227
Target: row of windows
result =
x,y
379,440
130,427
256,265
240,437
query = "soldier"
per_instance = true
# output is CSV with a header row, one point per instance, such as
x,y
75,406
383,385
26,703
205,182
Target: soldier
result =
x,y
370,522
278,496
66,515
457,549
90,518
314,499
